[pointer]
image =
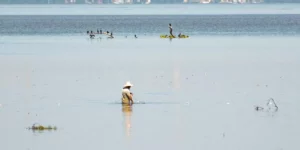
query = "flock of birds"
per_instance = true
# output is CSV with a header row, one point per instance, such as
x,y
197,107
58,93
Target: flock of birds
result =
x,y
109,34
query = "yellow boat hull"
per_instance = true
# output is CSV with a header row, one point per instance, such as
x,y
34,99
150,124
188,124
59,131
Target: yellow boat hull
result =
x,y
169,36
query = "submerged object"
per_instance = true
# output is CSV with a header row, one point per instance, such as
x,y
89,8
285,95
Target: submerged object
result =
x,y
169,36
270,106
258,108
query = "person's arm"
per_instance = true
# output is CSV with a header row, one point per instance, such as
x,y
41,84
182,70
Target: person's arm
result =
x,y
131,98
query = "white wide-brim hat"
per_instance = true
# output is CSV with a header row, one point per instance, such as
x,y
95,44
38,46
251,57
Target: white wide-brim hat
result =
x,y
128,84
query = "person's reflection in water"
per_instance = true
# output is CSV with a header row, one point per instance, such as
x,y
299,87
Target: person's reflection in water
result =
x,y
127,111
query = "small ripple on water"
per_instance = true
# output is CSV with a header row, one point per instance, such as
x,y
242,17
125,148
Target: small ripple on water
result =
x,y
143,102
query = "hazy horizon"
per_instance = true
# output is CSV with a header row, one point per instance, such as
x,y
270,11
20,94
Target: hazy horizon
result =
x,y
140,1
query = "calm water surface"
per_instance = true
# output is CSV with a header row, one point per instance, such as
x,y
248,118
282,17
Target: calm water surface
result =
x,y
197,93
154,25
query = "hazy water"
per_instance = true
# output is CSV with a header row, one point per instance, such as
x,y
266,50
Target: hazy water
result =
x,y
153,9
199,93
153,24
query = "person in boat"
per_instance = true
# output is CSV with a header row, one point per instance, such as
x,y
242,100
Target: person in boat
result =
x,y
111,35
127,96
135,36
87,32
171,30
100,31
97,31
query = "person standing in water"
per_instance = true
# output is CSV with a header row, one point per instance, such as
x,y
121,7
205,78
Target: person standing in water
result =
x,y
171,30
126,94
111,35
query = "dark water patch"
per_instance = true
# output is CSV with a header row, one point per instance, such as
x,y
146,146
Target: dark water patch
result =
x,y
127,25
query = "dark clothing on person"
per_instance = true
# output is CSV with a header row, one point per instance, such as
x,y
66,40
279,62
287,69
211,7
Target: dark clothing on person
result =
x,y
171,30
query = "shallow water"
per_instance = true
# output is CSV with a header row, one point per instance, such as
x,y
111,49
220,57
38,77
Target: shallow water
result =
x,y
199,93
195,93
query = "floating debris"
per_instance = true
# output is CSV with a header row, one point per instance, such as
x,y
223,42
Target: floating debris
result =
x,y
41,128
270,106
258,108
